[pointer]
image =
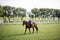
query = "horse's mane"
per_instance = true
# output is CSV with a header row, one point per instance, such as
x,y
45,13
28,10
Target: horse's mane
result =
x,y
26,21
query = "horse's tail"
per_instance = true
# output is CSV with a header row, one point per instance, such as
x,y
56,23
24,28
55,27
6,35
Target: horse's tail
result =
x,y
36,27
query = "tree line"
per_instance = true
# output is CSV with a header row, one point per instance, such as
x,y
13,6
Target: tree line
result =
x,y
8,11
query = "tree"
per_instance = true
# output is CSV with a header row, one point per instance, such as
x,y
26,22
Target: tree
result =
x,y
35,12
1,11
7,12
42,13
21,12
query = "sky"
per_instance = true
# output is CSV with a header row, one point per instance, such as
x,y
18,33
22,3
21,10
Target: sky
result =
x,y
29,4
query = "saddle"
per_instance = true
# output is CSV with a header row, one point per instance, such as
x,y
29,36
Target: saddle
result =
x,y
30,23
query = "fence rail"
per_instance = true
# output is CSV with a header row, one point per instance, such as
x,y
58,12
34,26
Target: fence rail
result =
x,y
20,22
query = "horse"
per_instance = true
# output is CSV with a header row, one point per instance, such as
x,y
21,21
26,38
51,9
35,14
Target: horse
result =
x,y
27,26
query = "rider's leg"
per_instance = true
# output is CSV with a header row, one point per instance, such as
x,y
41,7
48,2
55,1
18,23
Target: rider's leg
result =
x,y
30,23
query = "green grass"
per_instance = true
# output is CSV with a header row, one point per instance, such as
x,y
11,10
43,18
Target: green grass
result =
x,y
16,32
1,18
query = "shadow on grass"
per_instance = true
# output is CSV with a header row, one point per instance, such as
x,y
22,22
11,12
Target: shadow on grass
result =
x,y
12,35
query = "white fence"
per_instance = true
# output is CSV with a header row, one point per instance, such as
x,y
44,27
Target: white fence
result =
x,y
20,22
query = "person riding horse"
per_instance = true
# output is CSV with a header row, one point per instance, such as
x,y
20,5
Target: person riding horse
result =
x,y
27,26
30,20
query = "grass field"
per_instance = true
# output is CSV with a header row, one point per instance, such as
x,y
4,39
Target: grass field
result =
x,y
16,32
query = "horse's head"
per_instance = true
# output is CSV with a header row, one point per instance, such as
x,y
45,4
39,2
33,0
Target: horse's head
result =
x,y
24,22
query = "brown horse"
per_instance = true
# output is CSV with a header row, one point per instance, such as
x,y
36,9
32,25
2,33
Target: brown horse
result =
x,y
27,26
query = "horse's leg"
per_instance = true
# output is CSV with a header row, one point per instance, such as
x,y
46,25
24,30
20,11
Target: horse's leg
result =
x,y
29,31
36,29
25,30
33,30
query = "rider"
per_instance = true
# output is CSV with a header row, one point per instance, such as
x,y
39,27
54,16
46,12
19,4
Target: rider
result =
x,y
30,20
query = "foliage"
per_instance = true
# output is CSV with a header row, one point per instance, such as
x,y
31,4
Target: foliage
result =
x,y
8,11
21,11
35,11
1,10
